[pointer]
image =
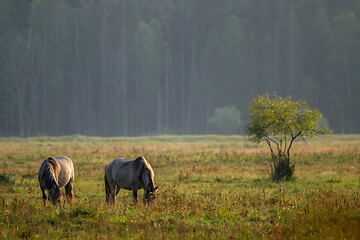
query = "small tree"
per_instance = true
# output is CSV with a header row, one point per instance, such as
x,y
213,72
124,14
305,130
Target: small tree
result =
x,y
279,122
225,119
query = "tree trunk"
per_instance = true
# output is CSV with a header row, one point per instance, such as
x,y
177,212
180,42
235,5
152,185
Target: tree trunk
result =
x,y
124,74
104,80
191,88
159,105
75,98
182,86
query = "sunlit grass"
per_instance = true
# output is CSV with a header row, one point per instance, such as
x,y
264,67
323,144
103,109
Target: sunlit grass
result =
x,y
211,187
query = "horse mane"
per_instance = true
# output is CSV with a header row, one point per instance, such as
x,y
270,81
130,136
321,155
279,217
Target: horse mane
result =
x,y
145,167
51,173
149,168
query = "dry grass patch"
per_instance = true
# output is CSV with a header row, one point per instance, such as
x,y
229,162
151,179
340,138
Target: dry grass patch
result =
x,y
210,188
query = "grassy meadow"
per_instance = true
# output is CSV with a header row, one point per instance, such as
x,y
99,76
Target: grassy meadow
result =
x,y
211,187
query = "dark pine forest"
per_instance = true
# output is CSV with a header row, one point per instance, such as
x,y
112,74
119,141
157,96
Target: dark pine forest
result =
x,y
140,67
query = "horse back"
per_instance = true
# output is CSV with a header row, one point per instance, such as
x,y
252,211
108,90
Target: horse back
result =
x,y
125,173
66,173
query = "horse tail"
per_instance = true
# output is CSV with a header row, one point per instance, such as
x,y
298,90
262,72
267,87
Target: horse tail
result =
x,y
50,173
107,188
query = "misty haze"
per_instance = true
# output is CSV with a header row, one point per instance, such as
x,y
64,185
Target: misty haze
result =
x,y
130,68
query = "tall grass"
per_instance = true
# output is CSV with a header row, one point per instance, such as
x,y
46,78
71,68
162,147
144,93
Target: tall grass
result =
x,y
211,187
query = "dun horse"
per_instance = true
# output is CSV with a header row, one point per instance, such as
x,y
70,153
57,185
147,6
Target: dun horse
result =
x,y
130,175
55,173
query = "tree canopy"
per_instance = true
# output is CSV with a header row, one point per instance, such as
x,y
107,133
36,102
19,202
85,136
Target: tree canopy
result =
x,y
225,119
280,121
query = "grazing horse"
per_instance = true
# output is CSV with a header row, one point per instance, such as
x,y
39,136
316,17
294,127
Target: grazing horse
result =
x,y
55,173
130,175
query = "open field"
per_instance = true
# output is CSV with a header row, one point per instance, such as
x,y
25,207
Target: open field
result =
x,y
211,187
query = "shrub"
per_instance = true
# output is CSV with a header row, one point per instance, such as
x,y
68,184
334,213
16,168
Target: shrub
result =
x,y
282,171
5,180
225,119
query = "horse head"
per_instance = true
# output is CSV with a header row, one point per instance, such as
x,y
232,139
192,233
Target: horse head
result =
x,y
55,194
150,195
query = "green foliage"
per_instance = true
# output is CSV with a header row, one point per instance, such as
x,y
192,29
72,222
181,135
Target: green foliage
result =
x,y
225,119
82,212
279,122
5,180
322,124
281,117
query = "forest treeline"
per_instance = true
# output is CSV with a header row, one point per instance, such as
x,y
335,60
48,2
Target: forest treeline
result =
x,y
121,67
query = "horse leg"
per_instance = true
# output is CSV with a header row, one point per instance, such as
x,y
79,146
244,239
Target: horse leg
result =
x,y
117,188
146,197
112,193
135,196
44,196
113,196
107,194
69,191
107,190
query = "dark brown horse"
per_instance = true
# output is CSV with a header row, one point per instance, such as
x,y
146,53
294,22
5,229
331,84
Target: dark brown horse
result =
x,y
55,173
130,175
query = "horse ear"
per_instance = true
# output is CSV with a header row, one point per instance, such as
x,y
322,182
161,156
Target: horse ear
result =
x,y
156,188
